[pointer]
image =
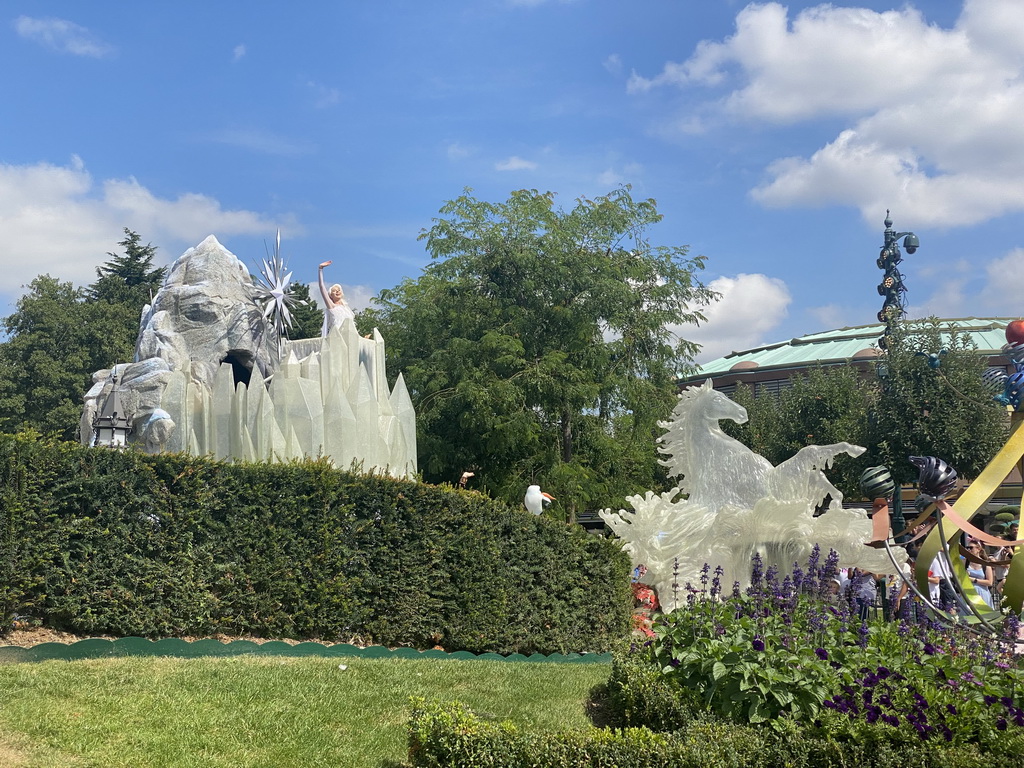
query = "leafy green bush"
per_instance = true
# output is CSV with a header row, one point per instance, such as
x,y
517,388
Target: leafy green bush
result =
x,y
791,653
99,541
447,735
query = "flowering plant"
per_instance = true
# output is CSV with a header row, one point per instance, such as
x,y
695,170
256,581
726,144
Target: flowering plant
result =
x,y
793,650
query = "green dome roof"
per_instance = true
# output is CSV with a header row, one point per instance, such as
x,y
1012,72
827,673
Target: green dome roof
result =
x,y
843,345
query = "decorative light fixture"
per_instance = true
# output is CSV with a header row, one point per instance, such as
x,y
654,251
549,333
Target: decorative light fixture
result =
x,y
111,427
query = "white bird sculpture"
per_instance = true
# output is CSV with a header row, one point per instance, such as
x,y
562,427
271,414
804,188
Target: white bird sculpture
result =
x,y
536,499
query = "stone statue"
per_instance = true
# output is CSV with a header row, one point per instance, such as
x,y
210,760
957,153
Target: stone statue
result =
x,y
733,503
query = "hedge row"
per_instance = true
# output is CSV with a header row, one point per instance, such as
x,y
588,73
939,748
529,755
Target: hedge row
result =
x,y
99,541
450,736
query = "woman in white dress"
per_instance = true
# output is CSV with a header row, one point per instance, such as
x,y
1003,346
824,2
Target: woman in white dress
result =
x,y
337,309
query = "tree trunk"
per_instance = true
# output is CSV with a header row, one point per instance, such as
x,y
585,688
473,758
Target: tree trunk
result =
x,y
570,503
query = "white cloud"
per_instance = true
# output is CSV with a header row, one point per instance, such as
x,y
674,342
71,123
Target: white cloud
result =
x,y
238,52
515,163
57,220
750,307
1003,293
457,151
829,316
613,64
62,36
323,95
263,142
357,296
932,114
611,177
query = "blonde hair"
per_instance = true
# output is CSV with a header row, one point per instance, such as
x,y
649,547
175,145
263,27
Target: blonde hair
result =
x,y
338,286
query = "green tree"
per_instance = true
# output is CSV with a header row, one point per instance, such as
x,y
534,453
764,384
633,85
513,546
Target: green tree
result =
x,y
59,335
46,359
930,402
940,410
308,318
128,278
124,285
537,346
823,406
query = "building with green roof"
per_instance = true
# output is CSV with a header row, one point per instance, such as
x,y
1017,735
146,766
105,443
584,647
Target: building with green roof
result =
x,y
770,367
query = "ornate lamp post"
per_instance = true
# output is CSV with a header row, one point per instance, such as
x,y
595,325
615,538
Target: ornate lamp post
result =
x,y
893,309
111,427
891,287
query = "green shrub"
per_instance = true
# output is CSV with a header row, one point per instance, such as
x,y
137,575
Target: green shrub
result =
x,y
790,654
443,735
639,694
99,541
450,736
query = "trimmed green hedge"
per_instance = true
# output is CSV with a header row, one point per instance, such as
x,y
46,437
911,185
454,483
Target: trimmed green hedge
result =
x,y
450,736
100,541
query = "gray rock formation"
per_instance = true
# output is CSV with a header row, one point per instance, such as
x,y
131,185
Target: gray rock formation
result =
x,y
204,315
207,379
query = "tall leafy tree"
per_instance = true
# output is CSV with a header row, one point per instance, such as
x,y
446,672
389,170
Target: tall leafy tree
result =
x,y
129,278
46,359
59,335
538,345
930,401
933,402
823,406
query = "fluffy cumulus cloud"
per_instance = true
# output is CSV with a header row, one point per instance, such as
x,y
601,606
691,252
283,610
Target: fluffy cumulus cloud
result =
x,y
58,220
515,163
62,36
1004,288
931,114
750,308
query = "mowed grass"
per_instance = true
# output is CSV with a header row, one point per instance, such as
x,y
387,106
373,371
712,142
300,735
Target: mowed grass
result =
x,y
260,711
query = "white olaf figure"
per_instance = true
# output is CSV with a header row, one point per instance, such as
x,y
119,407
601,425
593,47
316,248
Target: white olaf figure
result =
x,y
536,500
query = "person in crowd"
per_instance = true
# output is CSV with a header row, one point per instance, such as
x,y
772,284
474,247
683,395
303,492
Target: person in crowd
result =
x,y
981,575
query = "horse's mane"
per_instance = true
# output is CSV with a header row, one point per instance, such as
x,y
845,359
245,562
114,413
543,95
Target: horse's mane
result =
x,y
678,429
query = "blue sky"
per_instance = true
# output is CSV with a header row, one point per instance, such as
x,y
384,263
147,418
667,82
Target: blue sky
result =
x,y
773,137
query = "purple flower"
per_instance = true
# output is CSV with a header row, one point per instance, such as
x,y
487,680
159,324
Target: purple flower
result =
x,y
929,648
1001,723
951,709
674,663
990,700
758,644
821,653
862,634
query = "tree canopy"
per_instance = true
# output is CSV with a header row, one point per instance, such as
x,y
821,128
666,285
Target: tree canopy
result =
x,y
930,401
307,318
540,344
933,402
823,406
59,335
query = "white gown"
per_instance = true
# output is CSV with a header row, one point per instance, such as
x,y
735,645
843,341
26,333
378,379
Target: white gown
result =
x,y
335,316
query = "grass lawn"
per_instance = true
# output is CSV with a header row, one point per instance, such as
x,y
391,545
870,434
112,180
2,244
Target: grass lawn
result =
x,y
259,711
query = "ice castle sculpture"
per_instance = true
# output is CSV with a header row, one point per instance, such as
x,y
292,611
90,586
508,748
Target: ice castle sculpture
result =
x,y
731,503
212,377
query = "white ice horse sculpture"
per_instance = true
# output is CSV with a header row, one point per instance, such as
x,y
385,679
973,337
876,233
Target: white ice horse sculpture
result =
x,y
736,503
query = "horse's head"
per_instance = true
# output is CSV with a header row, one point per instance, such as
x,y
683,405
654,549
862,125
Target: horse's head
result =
x,y
715,405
